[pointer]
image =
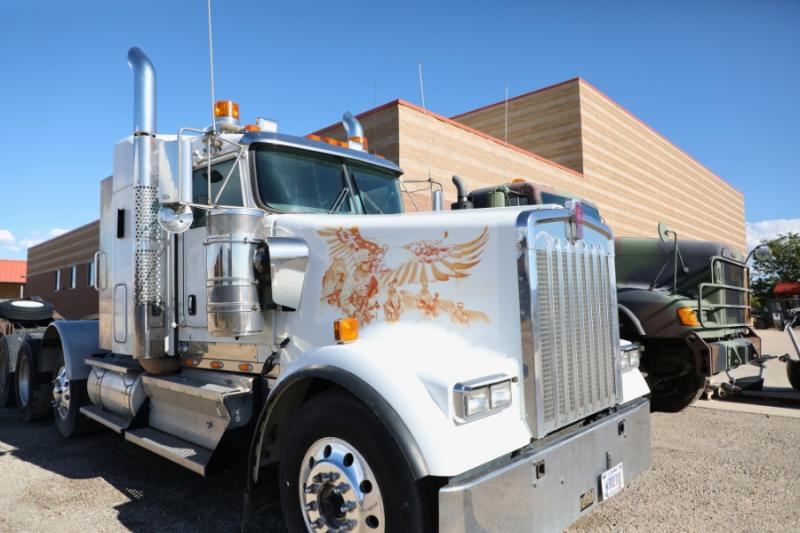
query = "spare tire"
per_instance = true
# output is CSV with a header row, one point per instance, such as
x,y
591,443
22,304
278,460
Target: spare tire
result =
x,y
25,310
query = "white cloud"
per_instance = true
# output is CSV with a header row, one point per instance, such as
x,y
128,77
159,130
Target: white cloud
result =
x,y
6,237
10,244
769,229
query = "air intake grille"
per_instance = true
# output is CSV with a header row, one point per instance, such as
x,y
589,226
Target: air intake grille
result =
x,y
575,311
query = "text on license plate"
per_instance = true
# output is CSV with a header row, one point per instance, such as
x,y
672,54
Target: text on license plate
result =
x,y
612,481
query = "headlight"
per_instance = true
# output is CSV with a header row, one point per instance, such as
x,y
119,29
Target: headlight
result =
x,y
476,398
630,355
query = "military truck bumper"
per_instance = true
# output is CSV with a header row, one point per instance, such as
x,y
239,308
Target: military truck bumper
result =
x,y
713,357
552,482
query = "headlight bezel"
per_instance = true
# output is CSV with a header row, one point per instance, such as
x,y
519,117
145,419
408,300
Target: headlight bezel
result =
x,y
630,356
463,392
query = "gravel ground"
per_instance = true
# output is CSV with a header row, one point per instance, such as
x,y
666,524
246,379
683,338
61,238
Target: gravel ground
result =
x,y
712,470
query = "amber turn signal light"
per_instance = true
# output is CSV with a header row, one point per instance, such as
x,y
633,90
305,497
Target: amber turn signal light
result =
x,y
226,108
345,329
688,317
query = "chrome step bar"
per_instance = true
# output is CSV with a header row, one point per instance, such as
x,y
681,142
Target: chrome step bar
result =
x,y
105,418
184,453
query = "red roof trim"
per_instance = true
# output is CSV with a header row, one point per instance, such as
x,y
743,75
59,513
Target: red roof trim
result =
x,y
786,288
529,93
13,270
401,102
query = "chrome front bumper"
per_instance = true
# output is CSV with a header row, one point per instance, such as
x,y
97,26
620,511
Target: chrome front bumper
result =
x,y
552,482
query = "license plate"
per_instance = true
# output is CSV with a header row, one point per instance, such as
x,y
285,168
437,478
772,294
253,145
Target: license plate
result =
x,y
612,481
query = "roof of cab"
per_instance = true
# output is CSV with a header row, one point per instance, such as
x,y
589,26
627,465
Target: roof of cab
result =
x,y
281,139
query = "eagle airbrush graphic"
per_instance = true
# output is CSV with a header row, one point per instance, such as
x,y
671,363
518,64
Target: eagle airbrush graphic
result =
x,y
360,283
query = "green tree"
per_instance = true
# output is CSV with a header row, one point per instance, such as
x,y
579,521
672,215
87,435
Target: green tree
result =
x,y
784,265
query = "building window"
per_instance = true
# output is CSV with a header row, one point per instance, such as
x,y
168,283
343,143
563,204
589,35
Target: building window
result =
x,y
58,280
90,274
73,276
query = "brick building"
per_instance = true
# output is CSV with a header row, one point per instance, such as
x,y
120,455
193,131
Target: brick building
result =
x,y
61,271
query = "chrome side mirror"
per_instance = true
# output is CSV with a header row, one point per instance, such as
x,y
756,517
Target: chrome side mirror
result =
x,y
175,218
762,252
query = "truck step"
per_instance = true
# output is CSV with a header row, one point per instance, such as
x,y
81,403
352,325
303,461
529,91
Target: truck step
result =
x,y
198,406
120,364
105,418
184,453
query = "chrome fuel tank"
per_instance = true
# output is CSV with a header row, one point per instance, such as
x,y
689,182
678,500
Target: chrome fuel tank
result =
x,y
233,236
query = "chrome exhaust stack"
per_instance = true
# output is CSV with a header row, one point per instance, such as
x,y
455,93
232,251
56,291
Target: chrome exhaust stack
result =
x,y
149,301
144,93
354,132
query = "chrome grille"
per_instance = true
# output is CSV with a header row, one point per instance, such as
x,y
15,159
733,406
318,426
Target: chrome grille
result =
x,y
569,304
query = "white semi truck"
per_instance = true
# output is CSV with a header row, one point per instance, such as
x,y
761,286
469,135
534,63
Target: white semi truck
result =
x,y
452,371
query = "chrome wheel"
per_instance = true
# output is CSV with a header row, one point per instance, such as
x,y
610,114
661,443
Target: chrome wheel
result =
x,y
24,381
338,490
61,393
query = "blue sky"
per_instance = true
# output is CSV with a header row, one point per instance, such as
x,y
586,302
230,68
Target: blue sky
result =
x,y
717,78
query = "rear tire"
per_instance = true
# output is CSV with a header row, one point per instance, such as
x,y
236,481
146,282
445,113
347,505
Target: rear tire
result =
x,y
68,398
33,387
793,373
7,394
339,421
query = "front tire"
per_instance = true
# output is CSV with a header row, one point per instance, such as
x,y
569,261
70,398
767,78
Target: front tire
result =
x,y
340,468
676,394
33,387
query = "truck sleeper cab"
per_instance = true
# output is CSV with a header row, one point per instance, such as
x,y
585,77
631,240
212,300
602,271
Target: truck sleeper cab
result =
x,y
383,370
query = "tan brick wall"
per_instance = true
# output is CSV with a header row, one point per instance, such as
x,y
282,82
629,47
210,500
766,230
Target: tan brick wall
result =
x,y
453,148
638,177
546,122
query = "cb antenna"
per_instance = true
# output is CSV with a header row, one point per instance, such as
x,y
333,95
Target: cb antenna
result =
x,y
425,112
211,68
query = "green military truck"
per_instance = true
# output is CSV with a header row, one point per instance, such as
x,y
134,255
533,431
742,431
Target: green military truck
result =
x,y
687,302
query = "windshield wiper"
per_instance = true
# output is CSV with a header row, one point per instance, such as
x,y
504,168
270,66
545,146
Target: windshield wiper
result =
x,y
366,196
339,200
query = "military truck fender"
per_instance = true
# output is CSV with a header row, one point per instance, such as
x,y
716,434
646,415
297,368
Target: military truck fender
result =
x,y
75,340
651,309
628,320
408,383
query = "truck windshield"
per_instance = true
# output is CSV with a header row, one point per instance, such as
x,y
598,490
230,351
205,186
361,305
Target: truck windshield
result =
x,y
550,198
297,181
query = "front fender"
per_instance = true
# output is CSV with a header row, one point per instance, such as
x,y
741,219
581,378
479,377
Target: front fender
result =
x,y
656,311
75,340
413,368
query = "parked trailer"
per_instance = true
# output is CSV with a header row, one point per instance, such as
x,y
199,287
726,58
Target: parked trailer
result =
x,y
384,371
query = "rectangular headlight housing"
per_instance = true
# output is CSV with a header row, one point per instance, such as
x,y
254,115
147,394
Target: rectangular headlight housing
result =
x,y
477,398
630,355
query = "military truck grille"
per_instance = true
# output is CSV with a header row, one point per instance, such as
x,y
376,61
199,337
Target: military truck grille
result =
x,y
575,322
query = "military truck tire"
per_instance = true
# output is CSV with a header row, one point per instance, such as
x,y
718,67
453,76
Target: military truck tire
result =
x,y
793,373
7,394
33,388
332,432
25,310
677,394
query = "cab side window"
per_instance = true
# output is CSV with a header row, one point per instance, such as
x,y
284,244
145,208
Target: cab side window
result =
x,y
231,194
